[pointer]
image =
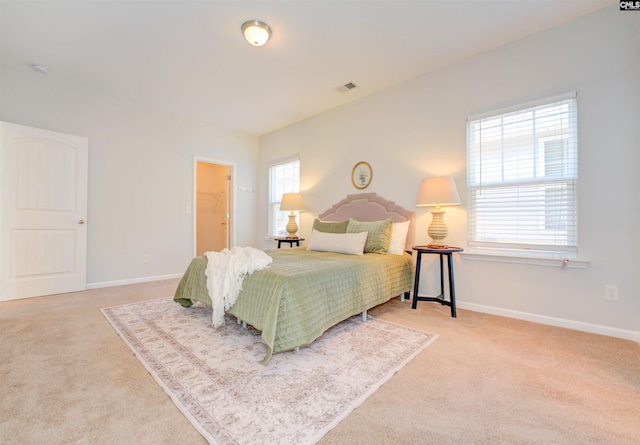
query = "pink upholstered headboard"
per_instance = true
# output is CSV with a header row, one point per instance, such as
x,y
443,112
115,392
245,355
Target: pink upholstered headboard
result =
x,y
370,207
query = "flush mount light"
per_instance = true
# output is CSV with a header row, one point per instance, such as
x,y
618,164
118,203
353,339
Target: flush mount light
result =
x,y
39,69
256,32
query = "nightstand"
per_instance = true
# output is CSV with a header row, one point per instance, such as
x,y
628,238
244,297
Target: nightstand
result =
x,y
291,241
448,252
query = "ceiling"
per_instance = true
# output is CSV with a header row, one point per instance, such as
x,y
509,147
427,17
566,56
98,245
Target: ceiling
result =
x,y
189,57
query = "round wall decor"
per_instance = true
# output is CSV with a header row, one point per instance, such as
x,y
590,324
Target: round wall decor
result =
x,y
361,175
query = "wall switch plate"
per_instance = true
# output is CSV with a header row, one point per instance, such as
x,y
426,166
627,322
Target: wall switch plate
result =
x,y
611,292
145,258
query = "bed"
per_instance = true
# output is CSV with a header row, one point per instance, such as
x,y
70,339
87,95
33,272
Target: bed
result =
x,y
305,292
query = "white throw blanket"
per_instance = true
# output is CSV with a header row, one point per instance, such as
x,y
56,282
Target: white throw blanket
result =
x,y
226,271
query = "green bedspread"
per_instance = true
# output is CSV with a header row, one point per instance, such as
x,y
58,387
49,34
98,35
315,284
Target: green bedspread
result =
x,y
303,293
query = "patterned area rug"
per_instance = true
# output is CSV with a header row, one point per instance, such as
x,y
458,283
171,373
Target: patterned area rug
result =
x,y
213,376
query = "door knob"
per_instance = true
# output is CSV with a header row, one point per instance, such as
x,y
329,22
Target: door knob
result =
x,y
81,221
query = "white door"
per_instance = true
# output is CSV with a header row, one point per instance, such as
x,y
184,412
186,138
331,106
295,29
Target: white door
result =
x,y
43,230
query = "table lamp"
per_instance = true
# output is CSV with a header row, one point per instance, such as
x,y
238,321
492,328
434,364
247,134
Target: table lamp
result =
x,y
292,202
438,191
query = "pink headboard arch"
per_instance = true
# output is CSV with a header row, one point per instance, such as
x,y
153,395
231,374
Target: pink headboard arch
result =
x,y
370,207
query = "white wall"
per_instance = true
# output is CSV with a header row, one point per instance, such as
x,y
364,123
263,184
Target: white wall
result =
x,y
140,173
418,129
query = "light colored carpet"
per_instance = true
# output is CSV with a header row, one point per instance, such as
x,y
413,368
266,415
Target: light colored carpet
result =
x,y
66,377
213,375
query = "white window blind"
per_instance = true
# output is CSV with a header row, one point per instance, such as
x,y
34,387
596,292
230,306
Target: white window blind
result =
x,y
284,177
522,179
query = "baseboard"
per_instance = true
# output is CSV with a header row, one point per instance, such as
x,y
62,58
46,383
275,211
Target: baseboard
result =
x,y
536,318
133,281
553,321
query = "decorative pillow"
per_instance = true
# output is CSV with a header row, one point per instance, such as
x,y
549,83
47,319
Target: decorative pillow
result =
x,y
349,243
379,234
330,226
398,237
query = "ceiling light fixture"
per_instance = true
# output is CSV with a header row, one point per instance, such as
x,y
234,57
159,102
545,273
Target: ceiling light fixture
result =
x,y
256,32
39,69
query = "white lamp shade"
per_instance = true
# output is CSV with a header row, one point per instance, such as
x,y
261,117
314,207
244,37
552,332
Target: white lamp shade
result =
x,y
256,32
292,202
438,191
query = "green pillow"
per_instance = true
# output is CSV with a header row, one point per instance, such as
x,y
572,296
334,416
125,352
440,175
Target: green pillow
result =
x,y
379,235
330,226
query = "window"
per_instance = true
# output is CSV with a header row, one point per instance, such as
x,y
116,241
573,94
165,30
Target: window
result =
x,y
522,179
284,177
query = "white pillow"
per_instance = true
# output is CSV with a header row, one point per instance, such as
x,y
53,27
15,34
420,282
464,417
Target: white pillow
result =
x,y
398,237
349,243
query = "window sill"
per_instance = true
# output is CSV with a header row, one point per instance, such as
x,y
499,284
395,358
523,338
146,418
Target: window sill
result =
x,y
550,262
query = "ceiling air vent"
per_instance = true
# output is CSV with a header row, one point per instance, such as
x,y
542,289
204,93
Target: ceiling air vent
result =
x,y
349,86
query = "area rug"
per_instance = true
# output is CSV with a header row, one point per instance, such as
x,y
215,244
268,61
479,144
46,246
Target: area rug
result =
x,y
214,378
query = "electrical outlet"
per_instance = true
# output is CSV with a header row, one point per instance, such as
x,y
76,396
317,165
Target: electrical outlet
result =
x,y
611,292
145,258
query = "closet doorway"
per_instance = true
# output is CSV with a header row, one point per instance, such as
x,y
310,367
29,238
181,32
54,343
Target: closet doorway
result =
x,y
212,204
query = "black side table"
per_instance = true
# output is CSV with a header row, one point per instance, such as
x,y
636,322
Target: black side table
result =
x,y
291,241
448,252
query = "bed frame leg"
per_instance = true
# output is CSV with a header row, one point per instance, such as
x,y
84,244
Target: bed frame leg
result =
x,y
364,315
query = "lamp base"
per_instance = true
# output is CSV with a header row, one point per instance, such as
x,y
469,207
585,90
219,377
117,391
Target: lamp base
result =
x,y
292,227
438,230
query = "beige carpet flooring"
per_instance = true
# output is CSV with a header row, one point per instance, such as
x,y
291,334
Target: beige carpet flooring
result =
x,y
66,377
